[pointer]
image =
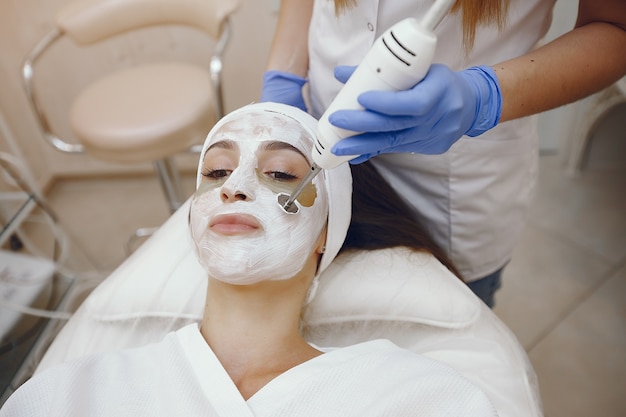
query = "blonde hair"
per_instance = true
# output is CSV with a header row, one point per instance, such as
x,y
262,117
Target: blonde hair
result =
x,y
474,13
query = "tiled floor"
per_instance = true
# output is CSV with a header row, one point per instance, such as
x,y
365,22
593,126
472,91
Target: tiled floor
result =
x,y
564,291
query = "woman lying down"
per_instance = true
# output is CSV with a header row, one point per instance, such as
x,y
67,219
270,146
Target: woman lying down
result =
x,y
248,357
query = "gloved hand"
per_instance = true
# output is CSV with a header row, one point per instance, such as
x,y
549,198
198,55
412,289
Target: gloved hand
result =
x,y
427,118
283,87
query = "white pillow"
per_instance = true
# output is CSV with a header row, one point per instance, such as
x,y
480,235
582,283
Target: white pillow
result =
x,y
396,284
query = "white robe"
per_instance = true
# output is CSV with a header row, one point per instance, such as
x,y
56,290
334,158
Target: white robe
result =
x,y
180,376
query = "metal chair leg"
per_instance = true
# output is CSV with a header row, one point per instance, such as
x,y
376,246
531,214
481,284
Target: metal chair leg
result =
x,y
170,182
169,178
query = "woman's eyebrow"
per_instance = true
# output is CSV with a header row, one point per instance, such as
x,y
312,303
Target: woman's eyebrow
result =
x,y
223,144
277,145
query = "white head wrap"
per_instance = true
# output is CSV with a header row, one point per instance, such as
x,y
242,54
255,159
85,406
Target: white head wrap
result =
x,y
337,181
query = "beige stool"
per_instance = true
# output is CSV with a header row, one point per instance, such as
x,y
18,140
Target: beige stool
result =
x,y
149,112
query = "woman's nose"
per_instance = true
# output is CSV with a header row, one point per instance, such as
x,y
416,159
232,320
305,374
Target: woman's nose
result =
x,y
240,185
231,196
237,190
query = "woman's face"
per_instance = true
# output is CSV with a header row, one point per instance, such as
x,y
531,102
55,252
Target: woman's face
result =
x,y
241,233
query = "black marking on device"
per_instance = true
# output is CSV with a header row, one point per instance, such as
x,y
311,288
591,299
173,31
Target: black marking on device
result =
x,y
401,45
396,55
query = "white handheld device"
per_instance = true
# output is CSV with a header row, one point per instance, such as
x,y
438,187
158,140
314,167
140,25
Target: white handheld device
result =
x,y
399,59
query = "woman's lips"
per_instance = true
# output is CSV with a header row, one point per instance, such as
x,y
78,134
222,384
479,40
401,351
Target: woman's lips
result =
x,y
234,224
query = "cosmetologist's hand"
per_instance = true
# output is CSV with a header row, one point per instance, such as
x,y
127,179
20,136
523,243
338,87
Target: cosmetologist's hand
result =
x,y
283,87
428,118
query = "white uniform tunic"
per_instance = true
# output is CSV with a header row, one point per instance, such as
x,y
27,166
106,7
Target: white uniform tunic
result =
x,y
181,376
475,197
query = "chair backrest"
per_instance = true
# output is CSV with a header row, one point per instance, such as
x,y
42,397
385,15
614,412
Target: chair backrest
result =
x,y
397,294
88,21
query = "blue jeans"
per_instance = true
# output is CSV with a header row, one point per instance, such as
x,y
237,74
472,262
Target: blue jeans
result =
x,y
485,288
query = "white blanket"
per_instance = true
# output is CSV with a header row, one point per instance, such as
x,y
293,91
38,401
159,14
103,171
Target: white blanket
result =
x,y
180,376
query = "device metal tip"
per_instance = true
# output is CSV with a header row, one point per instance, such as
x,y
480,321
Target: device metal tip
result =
x,y
287,205
287,202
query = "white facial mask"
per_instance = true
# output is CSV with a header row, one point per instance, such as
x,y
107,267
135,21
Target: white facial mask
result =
x,y
279,249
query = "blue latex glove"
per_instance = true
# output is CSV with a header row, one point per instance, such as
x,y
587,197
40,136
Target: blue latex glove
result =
x,y
283,87
427,118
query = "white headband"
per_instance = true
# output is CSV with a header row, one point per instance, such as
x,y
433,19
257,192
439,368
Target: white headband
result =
x,y
338,181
